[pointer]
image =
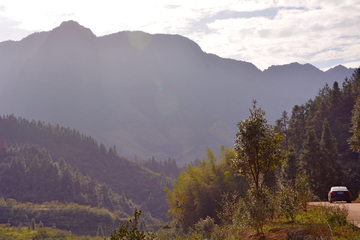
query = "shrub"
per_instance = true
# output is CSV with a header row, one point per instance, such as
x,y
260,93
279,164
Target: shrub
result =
x,y
289,202
255,210
133,233
205,226
358,198
303,189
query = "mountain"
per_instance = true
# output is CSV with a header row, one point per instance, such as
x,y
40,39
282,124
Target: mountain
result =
x,y
31,175
149,94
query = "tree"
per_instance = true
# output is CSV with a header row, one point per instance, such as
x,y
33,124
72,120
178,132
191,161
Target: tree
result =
x,y
258,152
100,232
354,140
310,158
332,171
281,127
32,224
295,132
292,168
257,148
196,193
3,145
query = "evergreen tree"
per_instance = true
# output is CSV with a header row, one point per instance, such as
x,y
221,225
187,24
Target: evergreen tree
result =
x,y
354,140
292,168
310,158
331,169
281,127
32,224
100,232
296,129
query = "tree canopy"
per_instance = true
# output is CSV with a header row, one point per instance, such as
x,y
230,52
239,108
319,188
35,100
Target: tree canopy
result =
x,y
257,148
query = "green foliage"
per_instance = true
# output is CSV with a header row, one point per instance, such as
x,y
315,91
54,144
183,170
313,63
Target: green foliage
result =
x,y
257,148
196,194
289,201
304,193
290,168
255,210
205,227
354,140
228,207
131,232
333,118
11,233
31,176
331,168
327,221
32,224
168,167
118,173
100,232
77,218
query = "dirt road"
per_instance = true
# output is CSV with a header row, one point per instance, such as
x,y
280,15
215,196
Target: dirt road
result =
x,y
354,210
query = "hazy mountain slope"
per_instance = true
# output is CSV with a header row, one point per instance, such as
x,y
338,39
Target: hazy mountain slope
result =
x,y
150,95
123,176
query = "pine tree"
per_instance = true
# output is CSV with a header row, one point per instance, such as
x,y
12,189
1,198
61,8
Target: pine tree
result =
x,y
32,224
295,132
292,167
332,171
100,232
354,140
310,158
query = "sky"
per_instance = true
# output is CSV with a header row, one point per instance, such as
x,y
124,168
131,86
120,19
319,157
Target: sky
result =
x,y
264,32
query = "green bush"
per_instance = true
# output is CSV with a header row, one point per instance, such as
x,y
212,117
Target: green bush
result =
x,y
133,232
289,202
205,226
255,209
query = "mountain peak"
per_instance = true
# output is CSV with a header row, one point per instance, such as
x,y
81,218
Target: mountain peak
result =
x,y
71,30
70,23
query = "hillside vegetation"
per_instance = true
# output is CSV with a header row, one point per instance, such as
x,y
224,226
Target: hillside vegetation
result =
x,y
285,166
84,154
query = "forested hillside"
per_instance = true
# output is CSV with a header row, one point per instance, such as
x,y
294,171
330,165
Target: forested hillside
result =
x,y
317,135
124,177
28,174
314,155
80,220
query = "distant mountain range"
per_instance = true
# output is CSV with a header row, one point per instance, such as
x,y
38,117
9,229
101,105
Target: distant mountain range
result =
x,y
150,95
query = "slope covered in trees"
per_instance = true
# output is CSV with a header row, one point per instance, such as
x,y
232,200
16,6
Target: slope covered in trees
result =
x,y
124,177
80,220
198,191
318,133
28,174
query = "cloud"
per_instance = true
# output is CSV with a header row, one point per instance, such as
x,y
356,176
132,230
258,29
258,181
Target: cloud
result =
x,y
307,33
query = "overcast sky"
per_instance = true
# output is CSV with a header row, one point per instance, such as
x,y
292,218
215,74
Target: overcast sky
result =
x,y
275,32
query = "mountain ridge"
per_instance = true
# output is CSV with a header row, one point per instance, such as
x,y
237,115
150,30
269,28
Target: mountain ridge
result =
x,y
149,94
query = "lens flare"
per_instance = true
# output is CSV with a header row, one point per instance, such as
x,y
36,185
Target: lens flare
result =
x,y
139,40
166,102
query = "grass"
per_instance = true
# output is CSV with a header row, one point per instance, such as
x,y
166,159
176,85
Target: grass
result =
x,y
14,233
318,222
